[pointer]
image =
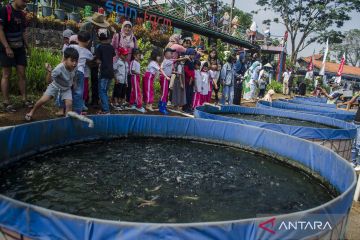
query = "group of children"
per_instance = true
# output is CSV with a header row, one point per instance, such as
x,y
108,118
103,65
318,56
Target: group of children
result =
x,y
68,82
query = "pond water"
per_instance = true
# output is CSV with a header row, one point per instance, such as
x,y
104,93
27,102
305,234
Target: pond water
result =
x,y
161,180
277,120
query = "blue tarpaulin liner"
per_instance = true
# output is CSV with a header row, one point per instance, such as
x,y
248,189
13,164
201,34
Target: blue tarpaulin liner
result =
x,y
346,131
334,113
312,99
318,104
40,223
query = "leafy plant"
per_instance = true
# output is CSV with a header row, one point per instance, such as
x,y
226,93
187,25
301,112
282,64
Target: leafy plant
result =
x,y
276,86
35,70
146,48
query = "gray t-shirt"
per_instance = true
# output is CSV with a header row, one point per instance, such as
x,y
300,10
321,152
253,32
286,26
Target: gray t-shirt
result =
x,y
62,78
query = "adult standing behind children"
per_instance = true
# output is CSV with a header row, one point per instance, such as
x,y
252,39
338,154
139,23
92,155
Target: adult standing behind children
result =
x,y
104,57
227,77
126,39
61,80
189,70
12,49
174,44
93,24
286,77
67,33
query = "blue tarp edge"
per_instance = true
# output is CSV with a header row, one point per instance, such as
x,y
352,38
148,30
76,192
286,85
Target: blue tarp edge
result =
x,y
40,223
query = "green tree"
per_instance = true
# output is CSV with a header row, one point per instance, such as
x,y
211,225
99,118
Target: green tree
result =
x,y
350,46
308,21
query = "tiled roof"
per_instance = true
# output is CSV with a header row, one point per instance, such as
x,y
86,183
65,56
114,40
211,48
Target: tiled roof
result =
x,y
334,67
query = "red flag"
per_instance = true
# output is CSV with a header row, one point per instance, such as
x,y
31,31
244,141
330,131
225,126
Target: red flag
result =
x,y
311,65
341,67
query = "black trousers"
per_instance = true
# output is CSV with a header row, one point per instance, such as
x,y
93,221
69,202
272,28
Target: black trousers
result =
x,y
216,91
128,89
238,88
261,93
189,95
94,85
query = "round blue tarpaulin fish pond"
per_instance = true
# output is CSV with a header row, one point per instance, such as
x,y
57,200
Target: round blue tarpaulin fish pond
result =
x,y
329,112
312,99
339,140
35,222
310,103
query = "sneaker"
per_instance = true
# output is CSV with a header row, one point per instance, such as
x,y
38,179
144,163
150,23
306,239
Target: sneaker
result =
x,y
133,107
357,168
142,110
116,107
150,108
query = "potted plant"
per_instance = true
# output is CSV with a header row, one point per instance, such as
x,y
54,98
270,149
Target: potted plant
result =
x,y
58,12
46,8
31,7
74,15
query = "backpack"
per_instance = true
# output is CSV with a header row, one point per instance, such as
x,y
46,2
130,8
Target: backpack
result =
x,y
8,11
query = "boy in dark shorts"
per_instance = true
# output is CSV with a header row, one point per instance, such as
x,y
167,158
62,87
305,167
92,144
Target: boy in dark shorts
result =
x,y
62,79
12,49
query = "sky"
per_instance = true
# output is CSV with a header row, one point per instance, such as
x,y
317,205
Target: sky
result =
x,y
279,29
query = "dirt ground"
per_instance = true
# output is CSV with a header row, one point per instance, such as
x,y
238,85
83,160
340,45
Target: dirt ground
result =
x,y
48,112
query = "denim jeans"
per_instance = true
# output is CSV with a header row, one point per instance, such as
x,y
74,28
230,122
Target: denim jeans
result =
x,y
78,92
103,94
228,94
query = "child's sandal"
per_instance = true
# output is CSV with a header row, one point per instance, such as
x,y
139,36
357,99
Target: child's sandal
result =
x,y
28,117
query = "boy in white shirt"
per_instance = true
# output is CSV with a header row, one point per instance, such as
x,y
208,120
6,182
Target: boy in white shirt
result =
x,y
121,70
84,56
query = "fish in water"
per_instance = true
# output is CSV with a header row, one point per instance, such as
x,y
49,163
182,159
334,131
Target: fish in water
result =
x,y
146,203
190,198
154,189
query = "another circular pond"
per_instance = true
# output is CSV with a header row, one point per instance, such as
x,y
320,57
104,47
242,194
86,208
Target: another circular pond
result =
x,y
277,120
162,180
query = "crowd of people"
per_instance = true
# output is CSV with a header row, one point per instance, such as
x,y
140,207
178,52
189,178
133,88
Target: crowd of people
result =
x,y
94,57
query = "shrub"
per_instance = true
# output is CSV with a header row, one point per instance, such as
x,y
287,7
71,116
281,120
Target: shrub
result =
x,y
275,85
35,70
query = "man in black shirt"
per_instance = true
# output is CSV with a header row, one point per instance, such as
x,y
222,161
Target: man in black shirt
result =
x,y
12,48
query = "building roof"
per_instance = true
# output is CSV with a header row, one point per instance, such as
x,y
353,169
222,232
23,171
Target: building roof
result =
x,y
333,67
